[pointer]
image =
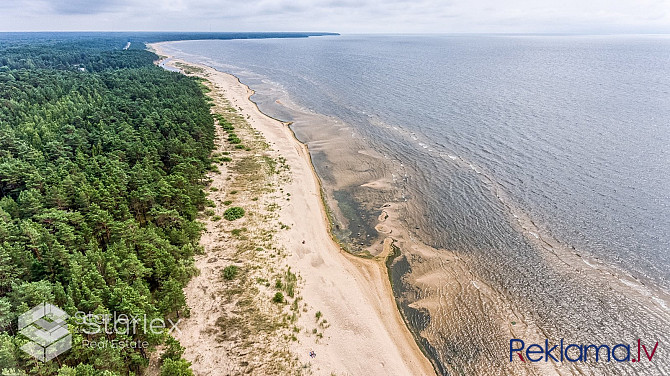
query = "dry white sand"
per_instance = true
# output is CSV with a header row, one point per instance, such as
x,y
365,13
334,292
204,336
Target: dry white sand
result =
x,y
365,334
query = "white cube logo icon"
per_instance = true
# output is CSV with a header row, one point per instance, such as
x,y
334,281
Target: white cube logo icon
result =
x,y
46,328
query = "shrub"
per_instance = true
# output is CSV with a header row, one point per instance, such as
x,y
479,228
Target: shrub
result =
x,y
227,202
233,213
238,231
173,349
278,298
230,272
216,218
178,367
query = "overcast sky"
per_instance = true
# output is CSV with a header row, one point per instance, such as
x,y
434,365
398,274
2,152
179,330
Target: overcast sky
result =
x,y
345,16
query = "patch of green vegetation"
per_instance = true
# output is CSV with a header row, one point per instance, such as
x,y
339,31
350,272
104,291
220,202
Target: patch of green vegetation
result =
x,y
233,213
283,163
233,139
230,272
238,231
272,207
278,297
189,69
271,163
170,367
287,282
290,281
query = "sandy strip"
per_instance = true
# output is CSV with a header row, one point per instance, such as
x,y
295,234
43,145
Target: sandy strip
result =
x,y
365,334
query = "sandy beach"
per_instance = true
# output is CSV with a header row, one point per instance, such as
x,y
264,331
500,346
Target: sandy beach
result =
x,y
348,317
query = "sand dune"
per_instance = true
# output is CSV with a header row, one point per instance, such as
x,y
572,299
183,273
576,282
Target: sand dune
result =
x,y
364,333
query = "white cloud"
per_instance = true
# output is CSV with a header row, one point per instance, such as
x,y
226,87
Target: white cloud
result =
x,y
391,16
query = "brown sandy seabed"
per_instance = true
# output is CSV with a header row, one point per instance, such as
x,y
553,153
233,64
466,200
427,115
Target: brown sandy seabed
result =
x,y
461,304
453,295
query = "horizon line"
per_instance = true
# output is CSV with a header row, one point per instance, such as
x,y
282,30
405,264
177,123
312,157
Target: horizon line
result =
x,y
548,33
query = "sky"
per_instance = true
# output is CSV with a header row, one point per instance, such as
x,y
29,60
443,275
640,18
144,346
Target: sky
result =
x,y
344,16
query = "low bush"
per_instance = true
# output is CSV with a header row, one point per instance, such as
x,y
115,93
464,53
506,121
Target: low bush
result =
x,y
230,272
278,298
233,213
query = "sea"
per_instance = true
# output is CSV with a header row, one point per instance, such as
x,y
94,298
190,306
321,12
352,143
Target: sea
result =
x,y
535,167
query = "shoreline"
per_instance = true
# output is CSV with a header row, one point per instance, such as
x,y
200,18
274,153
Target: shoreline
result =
x,y
456,278
448,294
370,336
